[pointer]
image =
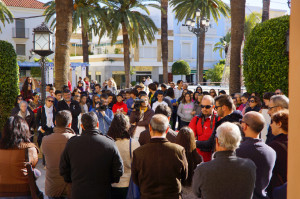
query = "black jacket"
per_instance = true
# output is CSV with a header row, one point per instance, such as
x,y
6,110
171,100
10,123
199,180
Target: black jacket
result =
x,y
74,108
208,145
91,162
41,118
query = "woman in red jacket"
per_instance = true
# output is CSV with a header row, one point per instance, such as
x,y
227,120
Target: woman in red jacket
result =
x,y
120,106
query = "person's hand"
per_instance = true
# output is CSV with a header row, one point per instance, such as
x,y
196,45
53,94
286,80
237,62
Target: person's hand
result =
x,y
102,112
193,112
30,100
42,130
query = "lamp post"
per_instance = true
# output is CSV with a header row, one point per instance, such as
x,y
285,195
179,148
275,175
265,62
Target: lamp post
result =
x,y
289,3
42,45
195,27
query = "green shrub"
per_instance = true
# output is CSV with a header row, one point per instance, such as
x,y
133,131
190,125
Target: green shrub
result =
x,y
133,83
181,67
266,63
9,80
215,74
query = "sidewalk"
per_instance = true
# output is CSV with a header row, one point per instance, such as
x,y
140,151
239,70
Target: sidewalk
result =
x,y
41,180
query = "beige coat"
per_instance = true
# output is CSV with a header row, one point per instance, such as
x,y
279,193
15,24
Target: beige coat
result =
x,y
52,147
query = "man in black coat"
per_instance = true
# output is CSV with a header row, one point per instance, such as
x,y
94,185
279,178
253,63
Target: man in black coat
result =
x,y
224,108
226,176
72,106
91,162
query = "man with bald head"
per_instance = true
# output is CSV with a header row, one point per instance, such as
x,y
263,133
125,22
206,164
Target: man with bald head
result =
x,y
255,149
204,123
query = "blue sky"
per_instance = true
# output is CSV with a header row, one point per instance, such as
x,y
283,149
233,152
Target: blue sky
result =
x,y
276,4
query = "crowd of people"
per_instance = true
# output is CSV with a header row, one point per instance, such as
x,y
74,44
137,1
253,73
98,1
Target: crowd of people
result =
x,y
153,140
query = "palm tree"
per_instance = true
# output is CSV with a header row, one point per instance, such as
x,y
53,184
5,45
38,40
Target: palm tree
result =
x,y
5,15
266,10
127,15
237,36
64,11
84,11
185,9
250,22
164,38
223,44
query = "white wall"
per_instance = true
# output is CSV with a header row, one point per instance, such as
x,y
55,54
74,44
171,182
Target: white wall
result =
x,y
30,24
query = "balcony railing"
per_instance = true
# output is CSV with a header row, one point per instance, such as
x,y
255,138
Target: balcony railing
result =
x,y
20,33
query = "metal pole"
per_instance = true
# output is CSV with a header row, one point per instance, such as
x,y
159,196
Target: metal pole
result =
x,y
197,64
43,71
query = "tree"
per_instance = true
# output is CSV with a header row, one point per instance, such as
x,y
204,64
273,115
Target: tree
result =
x,y
250,22
9,80
84,11
181,67
237,36
266,62
5,15
164,38
185,9
266,10
128,16
215,74
223,44
64,11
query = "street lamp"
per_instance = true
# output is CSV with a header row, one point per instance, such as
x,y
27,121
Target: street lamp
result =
x,y
195,27
289,3
42,45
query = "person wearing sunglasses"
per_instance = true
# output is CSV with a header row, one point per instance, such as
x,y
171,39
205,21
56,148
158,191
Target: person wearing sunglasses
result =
x,y
45,119
204,123
224,108
254,104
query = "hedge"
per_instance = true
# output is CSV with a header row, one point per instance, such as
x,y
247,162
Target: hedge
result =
x,y
181,67
9,80
266,61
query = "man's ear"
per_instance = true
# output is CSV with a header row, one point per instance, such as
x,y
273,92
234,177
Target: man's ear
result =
x,y
98,124
82,127
69,125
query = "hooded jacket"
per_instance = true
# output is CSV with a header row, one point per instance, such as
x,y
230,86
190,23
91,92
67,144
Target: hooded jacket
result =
x,y
208,145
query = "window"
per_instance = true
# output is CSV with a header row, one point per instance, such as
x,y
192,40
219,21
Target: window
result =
x,y
147,52
20,49
20,28
186,50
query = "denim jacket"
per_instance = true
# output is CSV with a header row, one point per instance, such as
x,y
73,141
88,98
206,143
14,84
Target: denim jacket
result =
x,y
104,121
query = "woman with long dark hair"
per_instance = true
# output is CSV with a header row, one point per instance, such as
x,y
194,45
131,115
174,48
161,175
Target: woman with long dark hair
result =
x,y
27,89
118,130
186,139
254,104
15,152
16,109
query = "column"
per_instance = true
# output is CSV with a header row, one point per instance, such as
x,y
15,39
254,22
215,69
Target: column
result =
x,y
294,108
83,70
50,71
73,76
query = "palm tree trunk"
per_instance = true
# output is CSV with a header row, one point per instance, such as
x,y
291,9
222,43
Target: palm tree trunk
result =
x,y
201,54
266,10
64,11
164,38
85,45
237,34
126,54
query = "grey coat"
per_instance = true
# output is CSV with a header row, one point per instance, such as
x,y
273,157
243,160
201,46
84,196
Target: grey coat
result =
x,y
226,176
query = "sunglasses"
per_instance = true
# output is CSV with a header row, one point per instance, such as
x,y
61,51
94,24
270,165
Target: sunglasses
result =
x,y
216,107
277,93
241,122
252,101
50,101
206,106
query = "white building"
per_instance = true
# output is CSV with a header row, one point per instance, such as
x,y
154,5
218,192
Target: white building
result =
x,y
27,16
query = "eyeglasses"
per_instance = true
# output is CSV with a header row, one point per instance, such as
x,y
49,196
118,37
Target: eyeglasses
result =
x,y
252,101
241,122
216,107
50,101
272,107
277,93
206,106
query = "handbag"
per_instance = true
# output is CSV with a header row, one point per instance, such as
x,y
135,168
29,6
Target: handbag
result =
x,y
133,189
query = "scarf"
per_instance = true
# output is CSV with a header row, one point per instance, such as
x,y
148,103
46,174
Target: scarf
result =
x,y
49,116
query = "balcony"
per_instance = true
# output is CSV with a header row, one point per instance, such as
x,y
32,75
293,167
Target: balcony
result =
x,y
22,33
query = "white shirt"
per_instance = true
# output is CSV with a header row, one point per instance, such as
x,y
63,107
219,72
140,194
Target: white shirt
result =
x,y
155,104
177,93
